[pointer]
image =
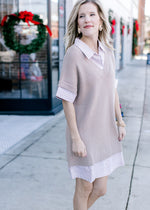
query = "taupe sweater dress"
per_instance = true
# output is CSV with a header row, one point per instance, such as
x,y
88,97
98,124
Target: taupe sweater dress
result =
x,y
94,106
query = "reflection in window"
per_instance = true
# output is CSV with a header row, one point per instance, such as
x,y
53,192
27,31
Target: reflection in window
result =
x,y
36,7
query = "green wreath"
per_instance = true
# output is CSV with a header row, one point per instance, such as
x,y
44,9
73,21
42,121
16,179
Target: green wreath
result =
x,y
10,37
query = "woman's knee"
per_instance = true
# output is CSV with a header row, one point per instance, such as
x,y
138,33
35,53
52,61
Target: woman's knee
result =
x,y
100,187
83,187
99,192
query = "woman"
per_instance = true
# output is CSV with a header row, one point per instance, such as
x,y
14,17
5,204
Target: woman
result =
x,y
90,102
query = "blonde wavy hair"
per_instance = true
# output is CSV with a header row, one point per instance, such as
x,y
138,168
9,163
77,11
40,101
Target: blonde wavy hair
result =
x,y
72,26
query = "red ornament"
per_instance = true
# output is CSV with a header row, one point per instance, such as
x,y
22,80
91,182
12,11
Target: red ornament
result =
x,y
136,25
135,50
123,27
112,29
113,22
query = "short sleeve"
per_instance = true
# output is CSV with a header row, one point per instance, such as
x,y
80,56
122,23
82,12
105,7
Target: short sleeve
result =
x,y
68,78
65,94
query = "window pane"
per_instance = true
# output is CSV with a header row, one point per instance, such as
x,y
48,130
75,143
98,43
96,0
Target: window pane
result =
x,y
9,80
35,84
34,78
36,7
23,75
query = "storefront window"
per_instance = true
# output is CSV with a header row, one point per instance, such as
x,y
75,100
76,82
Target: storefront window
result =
x,y
29,81
23,76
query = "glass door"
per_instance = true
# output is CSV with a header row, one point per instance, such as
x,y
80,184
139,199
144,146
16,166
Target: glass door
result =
x,y
24,78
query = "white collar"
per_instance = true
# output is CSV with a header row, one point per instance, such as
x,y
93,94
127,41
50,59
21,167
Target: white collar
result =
x,y
86,49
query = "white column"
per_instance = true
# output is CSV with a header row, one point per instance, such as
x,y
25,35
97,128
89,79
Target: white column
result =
x,y
69,6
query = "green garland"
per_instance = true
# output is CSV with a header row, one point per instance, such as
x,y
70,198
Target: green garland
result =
x,y
135,38
110,12
122,26
10,37
112,21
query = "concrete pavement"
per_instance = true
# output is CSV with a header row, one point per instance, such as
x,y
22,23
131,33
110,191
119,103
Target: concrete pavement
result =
x,y
34,173
14,128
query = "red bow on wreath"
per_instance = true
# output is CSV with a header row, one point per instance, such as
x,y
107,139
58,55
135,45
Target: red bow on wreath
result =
x,y
27,16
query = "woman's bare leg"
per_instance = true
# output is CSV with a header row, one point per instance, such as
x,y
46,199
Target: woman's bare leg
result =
x,y
82,192
99,189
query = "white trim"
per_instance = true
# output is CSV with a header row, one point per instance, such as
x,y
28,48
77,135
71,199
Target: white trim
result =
x,y
65,94
100,169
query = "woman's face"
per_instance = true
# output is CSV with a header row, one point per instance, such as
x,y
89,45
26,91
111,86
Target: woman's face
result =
x,y
89,20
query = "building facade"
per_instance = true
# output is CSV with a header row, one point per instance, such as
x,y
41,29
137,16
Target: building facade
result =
x,y
141,19
28,82
147,28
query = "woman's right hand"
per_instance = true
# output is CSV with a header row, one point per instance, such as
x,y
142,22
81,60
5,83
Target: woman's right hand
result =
x,y
79,148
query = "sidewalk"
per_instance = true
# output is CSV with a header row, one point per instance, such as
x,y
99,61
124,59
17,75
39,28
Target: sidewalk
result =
x,y
34,173
14,128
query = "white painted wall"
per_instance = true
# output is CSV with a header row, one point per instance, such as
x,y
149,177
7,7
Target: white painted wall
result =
x,y
147,27
69,5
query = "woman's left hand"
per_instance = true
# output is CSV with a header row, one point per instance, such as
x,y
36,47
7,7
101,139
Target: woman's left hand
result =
x,y
121,133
